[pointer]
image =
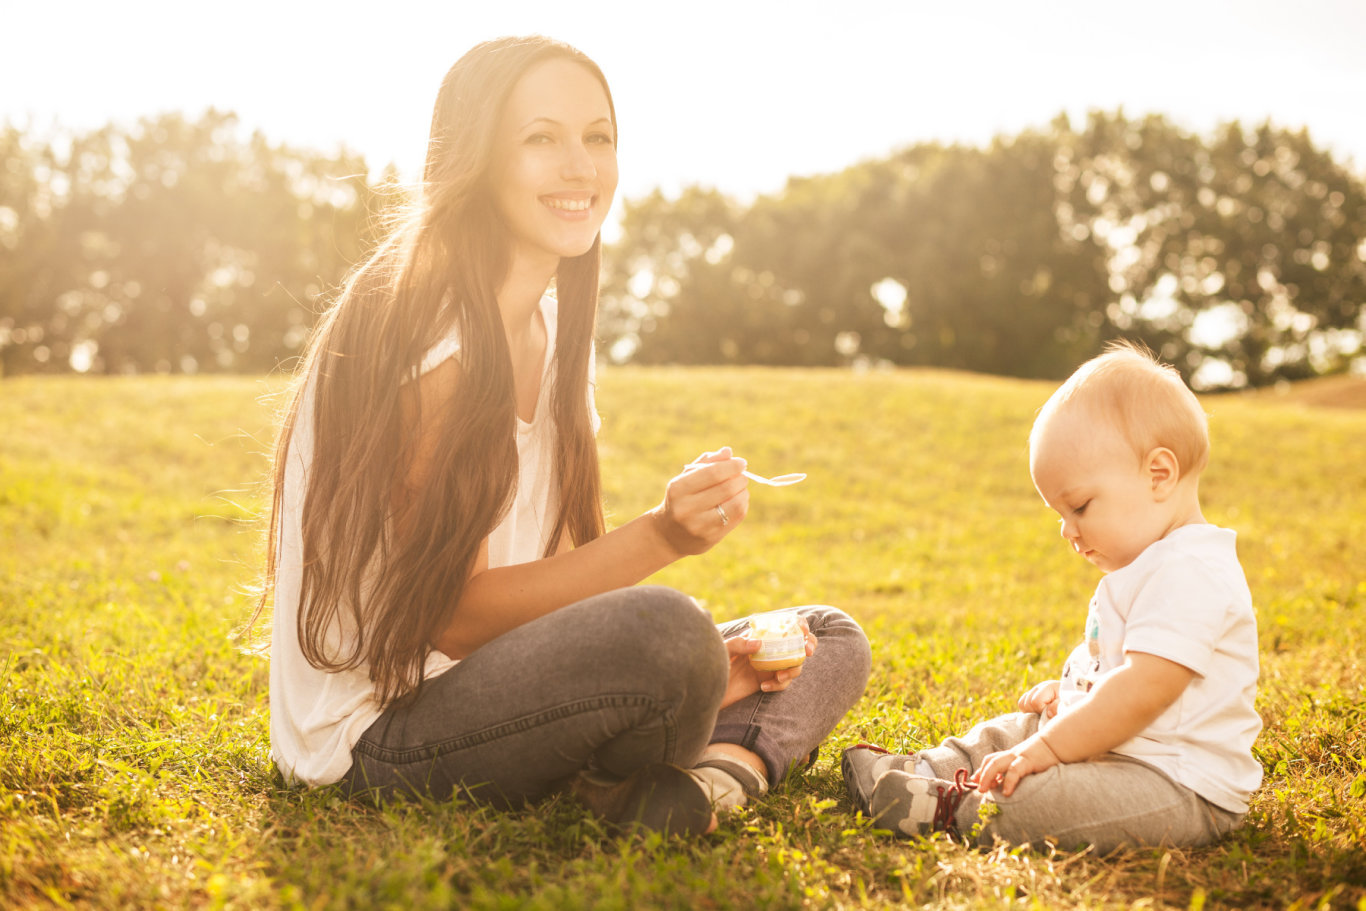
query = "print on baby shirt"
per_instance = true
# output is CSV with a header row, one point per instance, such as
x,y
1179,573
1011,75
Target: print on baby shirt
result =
x,y
1082,671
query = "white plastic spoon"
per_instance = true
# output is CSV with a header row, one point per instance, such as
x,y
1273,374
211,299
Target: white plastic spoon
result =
x,y
782,480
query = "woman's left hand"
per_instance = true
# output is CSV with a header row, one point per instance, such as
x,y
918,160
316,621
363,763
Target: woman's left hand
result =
x,y
745,680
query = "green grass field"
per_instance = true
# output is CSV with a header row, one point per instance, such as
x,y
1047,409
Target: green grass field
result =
x,y
134,759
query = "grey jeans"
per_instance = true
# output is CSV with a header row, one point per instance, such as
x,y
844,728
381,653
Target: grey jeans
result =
x,y
619,681
1107,802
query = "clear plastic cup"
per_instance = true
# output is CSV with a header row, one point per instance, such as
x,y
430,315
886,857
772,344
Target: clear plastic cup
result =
x,y
781,642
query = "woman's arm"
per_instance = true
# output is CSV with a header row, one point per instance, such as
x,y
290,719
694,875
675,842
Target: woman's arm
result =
x,y
495,601
1118,709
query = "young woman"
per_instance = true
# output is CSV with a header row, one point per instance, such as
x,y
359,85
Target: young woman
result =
x,y
448,611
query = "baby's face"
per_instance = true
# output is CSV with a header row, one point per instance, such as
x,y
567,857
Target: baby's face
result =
x,y
1092,478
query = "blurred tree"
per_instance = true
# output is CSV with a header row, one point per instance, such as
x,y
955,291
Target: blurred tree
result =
x,y
945,256
950,257
667,294
183,245
1239,258
31,258
175,246
1242,259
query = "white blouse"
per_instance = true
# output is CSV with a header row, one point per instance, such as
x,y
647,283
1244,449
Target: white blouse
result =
x,y
317,716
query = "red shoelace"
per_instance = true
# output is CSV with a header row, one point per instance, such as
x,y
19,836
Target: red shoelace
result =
x,y
949,799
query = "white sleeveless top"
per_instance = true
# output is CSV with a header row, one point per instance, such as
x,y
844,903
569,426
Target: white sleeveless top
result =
x,y
317,716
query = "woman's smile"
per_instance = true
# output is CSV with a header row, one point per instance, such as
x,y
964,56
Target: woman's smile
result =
x,y
572,208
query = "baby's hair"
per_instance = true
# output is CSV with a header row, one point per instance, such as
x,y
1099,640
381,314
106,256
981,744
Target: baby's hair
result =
x,y
1145,399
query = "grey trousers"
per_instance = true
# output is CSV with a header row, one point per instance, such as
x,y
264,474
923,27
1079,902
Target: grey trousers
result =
x,y
619,681
1109,802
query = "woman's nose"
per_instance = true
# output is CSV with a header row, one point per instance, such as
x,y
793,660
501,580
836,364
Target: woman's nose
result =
x,y
578,162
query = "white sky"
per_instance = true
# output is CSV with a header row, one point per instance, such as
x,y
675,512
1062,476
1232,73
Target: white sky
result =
x,y
737,94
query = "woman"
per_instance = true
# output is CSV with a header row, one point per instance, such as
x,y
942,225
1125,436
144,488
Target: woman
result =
x,y
449,613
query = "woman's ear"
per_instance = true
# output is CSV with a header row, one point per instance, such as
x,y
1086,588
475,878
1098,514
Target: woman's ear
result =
x,y
1163,470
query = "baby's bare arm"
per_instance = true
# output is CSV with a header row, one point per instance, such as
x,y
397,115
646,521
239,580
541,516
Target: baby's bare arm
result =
x,y
1118,709
1124,703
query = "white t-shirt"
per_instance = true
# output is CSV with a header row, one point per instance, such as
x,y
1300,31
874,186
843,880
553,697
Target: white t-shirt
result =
x,y
1185,599
317,716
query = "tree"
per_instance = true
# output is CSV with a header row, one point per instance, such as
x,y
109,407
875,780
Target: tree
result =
x,y
184,245
177,245
936,256
1241,258
33,254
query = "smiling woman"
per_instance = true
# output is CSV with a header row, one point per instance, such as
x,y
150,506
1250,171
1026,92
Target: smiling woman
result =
x,y
450,614
556,175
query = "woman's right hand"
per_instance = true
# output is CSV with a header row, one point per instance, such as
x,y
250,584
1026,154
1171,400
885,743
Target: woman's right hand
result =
x,y
704,503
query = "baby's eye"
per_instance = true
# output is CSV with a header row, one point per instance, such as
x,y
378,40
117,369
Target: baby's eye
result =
x,y
1082,508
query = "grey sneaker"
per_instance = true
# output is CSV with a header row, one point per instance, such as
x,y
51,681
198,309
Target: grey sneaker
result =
x,y
915,805
864,764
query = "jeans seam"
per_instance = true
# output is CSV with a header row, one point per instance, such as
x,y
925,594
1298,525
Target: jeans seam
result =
x,y
752,721
429,751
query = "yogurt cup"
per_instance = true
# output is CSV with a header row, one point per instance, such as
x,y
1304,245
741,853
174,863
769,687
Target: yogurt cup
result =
x,y
781,641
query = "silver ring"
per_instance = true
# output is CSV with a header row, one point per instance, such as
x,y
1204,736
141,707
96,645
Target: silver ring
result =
x,y
725,519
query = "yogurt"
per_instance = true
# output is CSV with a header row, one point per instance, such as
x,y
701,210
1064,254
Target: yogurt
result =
x,y
781,641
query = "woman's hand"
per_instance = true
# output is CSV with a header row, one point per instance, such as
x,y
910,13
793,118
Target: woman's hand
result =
x,y
703,504
745,680
1041,699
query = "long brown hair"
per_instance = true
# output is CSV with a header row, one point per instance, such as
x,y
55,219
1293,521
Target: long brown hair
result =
x,y
438,271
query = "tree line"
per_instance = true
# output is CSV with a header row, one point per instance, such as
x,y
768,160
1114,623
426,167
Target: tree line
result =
x,y
180,245
175,245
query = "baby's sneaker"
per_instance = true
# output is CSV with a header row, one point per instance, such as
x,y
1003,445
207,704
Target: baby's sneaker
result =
x,y
864,764
915,805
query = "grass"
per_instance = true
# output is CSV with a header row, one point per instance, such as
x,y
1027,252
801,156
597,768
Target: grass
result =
x,y
134,762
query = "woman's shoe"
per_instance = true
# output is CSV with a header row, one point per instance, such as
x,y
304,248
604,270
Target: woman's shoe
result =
x,y
657,798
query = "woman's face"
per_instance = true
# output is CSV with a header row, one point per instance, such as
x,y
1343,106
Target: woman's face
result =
x,y
555,162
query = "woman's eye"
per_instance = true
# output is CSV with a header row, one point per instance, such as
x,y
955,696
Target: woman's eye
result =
x,y
600,138
538,138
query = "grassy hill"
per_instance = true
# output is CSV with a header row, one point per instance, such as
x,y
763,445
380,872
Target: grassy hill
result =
x,y
134,765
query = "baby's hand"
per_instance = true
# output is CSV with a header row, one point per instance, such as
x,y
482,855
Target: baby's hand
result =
x,y
1008,768
1041,699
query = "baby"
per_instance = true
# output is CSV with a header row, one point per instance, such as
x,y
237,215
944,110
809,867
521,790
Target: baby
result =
x,y
1147,738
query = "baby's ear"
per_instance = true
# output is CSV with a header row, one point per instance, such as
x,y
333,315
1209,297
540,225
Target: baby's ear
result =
x,y
1164,471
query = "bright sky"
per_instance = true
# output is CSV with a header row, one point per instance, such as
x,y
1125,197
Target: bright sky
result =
x,y
736,94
